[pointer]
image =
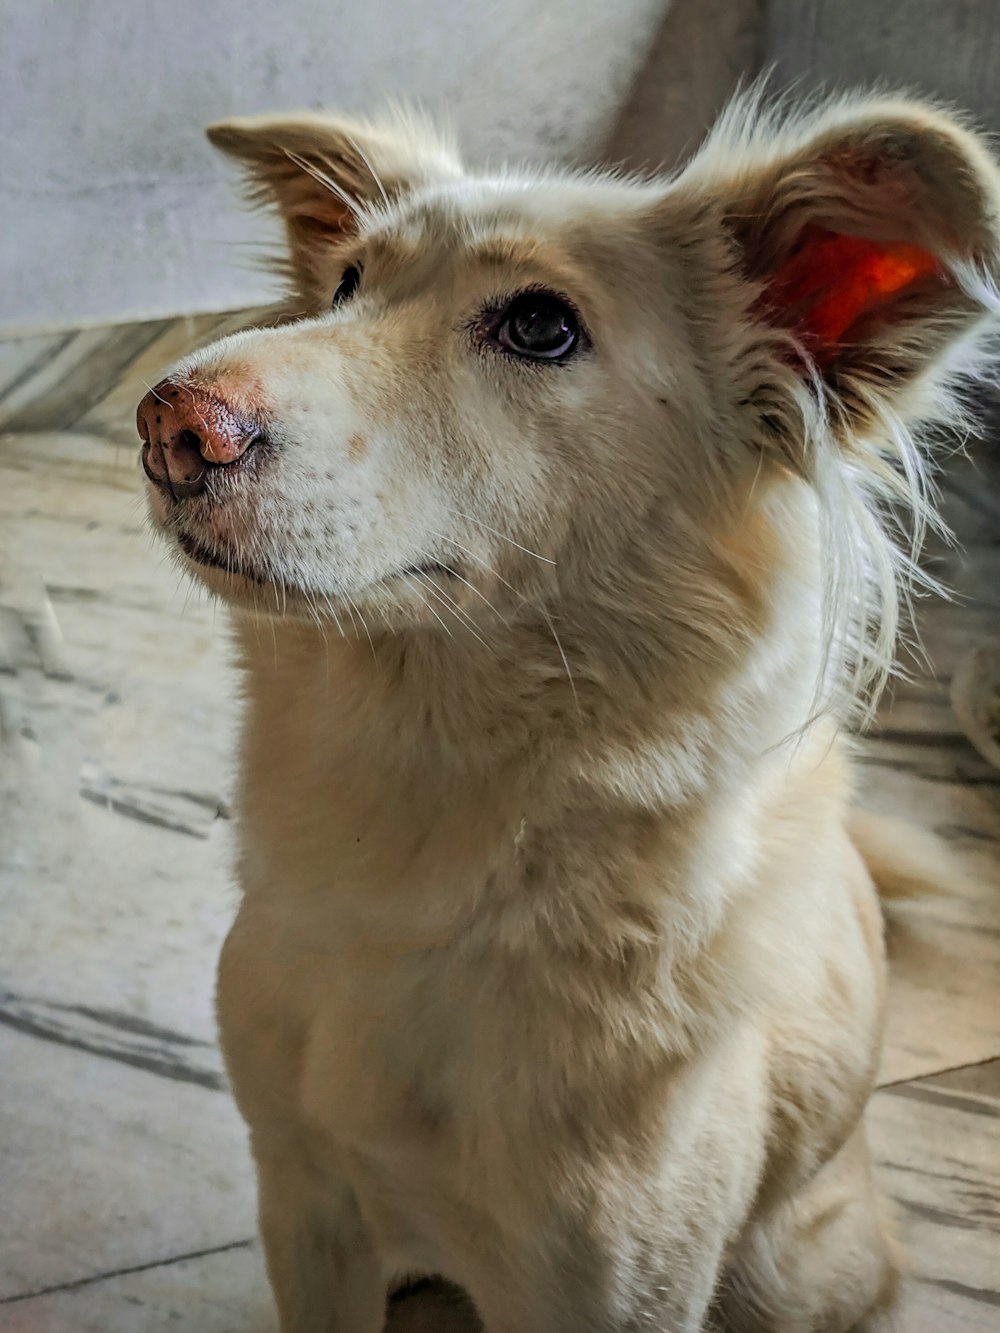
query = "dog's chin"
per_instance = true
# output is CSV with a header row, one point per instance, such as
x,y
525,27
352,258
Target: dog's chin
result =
x,y
236,582
210,562
398,605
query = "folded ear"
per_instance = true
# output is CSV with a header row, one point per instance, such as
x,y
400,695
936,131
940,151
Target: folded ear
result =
x,y
321,172
869,231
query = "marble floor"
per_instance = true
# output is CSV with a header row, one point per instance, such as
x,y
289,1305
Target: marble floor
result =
x,y
125,1188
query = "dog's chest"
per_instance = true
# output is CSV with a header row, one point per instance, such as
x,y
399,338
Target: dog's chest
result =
x,y
398,1058
323,1035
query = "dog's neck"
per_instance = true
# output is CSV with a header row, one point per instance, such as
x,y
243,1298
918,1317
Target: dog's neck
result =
x,y
471,710
426,761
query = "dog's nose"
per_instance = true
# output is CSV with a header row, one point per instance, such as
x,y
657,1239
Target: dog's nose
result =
x,y
186,432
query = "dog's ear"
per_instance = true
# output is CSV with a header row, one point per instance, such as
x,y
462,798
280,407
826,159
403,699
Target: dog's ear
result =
x,y
320,171
869,231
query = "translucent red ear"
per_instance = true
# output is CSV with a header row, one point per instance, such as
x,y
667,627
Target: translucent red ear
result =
x,y
831,282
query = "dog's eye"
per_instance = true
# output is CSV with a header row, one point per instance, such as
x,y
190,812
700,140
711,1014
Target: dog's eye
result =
x,y
347,286
540,326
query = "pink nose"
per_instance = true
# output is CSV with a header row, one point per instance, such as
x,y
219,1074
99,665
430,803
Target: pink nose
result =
x,y
186,433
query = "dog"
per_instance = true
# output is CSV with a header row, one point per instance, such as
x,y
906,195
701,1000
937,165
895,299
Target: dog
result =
x,y
558,515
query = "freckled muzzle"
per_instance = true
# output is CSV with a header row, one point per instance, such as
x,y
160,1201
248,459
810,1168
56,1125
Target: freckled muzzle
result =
x,y
187,432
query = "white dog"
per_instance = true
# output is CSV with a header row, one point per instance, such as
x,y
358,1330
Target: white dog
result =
x,y
552,517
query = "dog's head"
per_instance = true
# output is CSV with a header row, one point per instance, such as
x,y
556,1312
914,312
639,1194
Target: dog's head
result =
x,y
524,396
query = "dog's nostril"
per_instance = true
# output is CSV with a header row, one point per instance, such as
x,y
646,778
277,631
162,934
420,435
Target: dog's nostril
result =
x,y
190,439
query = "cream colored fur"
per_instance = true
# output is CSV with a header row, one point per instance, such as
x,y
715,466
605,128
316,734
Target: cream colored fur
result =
x,y
557,970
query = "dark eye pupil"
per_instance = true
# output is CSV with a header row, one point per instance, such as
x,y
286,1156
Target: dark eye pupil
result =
x,y
541,326
348,285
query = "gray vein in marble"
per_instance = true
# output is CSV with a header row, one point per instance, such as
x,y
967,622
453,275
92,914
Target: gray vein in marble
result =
x,y
34,367
979,1294
113,1036
191,813
960,776
940,1216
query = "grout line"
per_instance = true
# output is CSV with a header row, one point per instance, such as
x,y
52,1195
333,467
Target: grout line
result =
x,y
936,1073
126,1272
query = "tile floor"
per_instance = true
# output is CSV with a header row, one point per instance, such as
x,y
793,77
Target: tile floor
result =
x,y
125,1189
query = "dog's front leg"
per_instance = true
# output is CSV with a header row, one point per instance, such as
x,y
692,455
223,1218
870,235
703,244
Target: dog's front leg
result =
x,y
565,1306
612,1284
323,1269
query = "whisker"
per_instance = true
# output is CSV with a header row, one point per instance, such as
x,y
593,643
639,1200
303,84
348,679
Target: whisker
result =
x,y
350,611
455,609
473,555
497,533
332,609
155,394
541,610
482,596
562,654
430,608
364,624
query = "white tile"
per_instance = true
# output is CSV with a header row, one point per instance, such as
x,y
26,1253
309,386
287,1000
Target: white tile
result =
x,y
220,1293
944,952
104,1166
937,1147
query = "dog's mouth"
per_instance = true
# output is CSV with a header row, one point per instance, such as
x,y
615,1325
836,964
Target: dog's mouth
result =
x,y
228,564
209,558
